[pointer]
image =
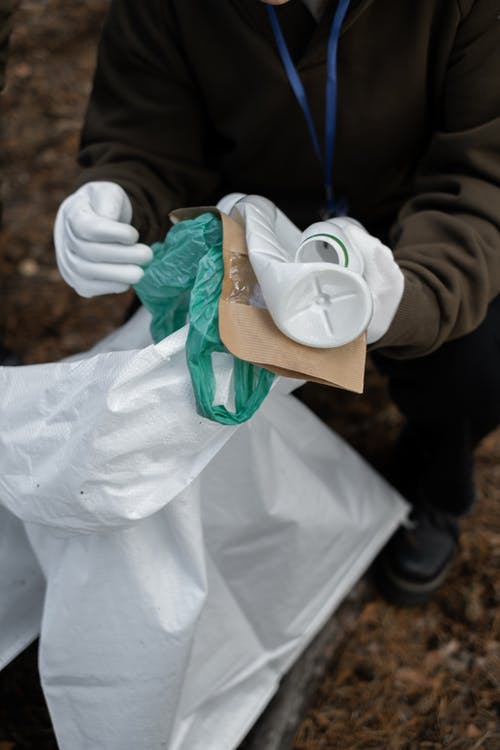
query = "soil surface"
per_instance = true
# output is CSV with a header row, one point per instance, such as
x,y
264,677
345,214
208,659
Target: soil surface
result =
x,y
404,678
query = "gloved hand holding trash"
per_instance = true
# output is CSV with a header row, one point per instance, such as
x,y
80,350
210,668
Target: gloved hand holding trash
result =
x,y
325,286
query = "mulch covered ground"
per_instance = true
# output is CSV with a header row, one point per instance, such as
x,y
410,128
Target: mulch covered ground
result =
x,y
403,679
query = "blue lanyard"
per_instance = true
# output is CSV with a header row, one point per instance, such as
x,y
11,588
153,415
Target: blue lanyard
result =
x,y
331,93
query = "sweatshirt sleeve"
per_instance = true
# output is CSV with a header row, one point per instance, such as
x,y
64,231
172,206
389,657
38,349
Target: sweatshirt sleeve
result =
x,y
145,124
446,239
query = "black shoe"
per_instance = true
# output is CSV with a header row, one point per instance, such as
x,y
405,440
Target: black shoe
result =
x,y
417,559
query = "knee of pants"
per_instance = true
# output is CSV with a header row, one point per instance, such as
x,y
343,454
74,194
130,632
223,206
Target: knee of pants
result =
x,y
459,381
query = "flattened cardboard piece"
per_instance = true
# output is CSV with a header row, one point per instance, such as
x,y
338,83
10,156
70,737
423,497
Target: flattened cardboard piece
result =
x,y
248,331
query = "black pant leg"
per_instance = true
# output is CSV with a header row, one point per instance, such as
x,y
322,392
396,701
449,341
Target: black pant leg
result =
x,y
451,400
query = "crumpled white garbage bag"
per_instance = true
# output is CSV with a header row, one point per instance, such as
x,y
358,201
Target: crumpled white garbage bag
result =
x,y
187,563
104,440
22,588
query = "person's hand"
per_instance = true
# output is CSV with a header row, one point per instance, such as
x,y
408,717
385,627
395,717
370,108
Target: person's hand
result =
x,y
317,304
228,202
382,274
97,249
269,232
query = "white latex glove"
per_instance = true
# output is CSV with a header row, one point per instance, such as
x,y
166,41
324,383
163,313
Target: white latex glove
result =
x,y
269,232
228,202
97,249
382,274
318,304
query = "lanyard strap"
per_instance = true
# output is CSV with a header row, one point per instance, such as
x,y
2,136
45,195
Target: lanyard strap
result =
x,y
331,93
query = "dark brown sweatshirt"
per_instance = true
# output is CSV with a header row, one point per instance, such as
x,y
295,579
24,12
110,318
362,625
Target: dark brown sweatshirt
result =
x,y
191,101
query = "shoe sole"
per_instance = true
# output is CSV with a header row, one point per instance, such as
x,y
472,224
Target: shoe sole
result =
x,y
402,591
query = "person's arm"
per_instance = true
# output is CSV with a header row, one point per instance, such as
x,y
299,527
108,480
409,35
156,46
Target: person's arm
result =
x,y
447,239
145,127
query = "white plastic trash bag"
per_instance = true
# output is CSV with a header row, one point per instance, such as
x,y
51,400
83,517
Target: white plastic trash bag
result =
x,y
187,563
102,441
22,589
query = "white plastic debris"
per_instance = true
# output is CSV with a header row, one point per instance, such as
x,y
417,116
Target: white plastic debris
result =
x,y
311,282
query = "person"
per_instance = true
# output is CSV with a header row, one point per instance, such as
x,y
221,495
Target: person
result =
x,y
7,9
194,100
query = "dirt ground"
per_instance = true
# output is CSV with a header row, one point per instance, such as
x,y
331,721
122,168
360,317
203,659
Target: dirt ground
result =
x,y
403,679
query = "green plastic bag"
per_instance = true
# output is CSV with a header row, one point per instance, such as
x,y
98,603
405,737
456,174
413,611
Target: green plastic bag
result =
x,y
183,282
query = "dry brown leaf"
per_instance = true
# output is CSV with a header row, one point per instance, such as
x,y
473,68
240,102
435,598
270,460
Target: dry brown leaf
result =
x,y
410,676
473,731
370,613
